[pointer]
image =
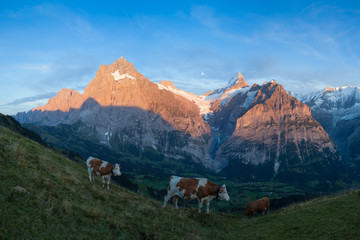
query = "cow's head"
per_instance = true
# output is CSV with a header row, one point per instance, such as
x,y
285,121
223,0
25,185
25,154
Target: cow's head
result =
x,y
223,195
116,170
248,211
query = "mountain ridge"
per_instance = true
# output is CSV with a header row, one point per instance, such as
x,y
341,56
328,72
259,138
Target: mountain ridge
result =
x,y
338,111
124,106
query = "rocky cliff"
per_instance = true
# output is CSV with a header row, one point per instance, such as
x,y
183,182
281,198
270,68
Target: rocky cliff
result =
x,y
275,133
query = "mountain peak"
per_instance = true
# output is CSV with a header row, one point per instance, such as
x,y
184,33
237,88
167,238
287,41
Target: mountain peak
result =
x,y
329,89
121,59
272,82
167,83
63,101
121,69
122,65
241,83
237,82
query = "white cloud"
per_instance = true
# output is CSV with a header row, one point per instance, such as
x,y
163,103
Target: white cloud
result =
x,y
31,99
34,67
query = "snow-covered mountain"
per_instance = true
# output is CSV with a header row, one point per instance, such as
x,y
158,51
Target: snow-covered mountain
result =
x,y
343,102
338,111
207,102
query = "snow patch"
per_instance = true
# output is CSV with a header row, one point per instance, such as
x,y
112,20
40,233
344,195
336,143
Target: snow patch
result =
x,y
229,94
117,76
204,106
204,102
250,99
343,103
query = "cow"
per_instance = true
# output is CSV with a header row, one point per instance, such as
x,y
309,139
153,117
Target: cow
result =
x,y
191,188
101,168
260,205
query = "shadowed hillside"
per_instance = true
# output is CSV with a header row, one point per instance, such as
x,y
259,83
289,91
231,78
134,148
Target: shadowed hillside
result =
x,y
61,203
10,123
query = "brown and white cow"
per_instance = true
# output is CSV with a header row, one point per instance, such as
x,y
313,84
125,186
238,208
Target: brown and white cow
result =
x,y
101,168
260,205
191,188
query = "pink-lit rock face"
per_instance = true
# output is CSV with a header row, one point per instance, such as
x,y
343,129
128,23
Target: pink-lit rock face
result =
x,y
124,100
63,101
253,124
121,85
274,122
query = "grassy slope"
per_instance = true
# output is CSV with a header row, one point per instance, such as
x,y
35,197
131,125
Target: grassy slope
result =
x,y
63,204
150,168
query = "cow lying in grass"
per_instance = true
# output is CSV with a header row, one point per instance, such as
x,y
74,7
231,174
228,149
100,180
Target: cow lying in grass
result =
x,y
101,168
191,188
260,205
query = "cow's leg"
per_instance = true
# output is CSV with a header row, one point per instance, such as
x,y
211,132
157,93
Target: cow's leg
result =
x,y
166,199
176,199
93,177
268,211
103,180
108,182
200,203
207,206
89,171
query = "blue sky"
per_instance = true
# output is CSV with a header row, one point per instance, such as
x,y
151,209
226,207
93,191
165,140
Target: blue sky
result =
x,y
304,45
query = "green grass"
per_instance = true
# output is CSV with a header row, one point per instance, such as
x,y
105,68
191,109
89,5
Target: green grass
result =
x,y
62,204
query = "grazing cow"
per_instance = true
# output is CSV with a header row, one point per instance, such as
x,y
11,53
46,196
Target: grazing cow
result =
x,y
260,205
101,168
191,188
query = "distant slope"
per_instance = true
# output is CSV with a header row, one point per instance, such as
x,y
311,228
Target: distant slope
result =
x,y
138,161
10,123
61,203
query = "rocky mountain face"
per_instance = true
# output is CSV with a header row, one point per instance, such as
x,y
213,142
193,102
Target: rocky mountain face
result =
x,y
275,135
338,111
257,132
125,107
